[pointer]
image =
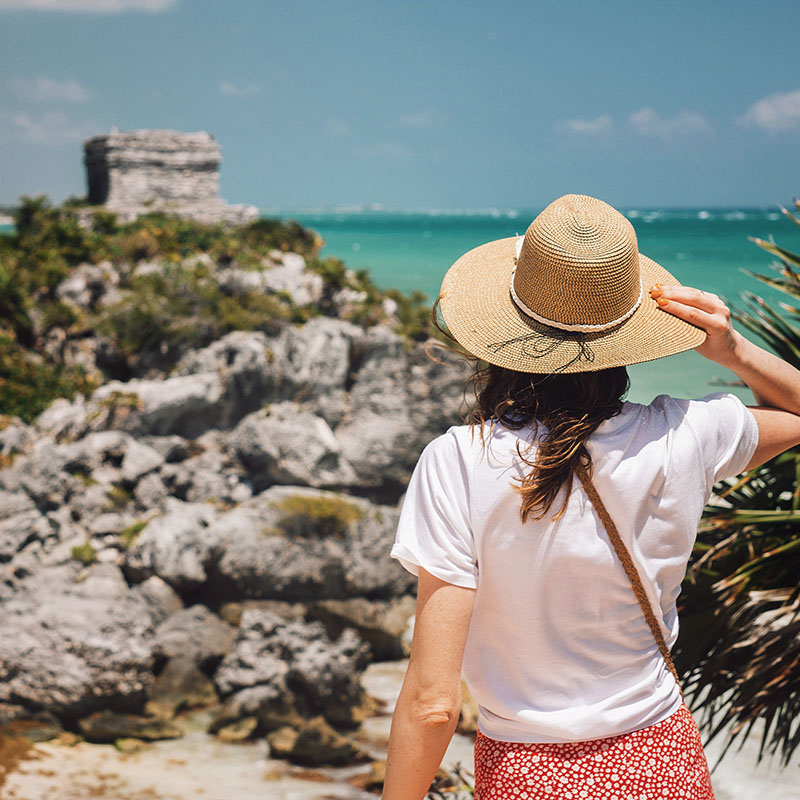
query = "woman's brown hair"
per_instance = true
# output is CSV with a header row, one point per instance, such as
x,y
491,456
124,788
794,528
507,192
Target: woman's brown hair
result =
x,y
569,406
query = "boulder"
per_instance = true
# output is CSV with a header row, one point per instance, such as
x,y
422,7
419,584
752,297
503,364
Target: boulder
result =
x,y
179,685
314,744
286,444
35,726
86,283
286,275
196,633
296,669
397,404
241,359
209,476
21,523
74,640
15,437
138,461
107,726
296,544
185,405
380,623
176,546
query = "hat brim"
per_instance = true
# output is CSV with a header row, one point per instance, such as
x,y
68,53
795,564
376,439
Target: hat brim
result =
x,y
477,308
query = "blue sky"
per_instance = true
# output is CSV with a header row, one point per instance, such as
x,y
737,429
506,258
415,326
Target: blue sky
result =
x,y
434,104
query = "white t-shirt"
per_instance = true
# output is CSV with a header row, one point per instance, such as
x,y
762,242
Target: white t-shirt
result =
x,y
558,649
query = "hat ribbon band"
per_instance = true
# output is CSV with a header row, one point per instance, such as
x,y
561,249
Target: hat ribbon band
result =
x,y
564,326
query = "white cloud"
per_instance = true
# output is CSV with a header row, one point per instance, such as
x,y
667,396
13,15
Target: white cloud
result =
x,y
51,128
587,127
647,122
421,119
774,114
47,90
88,6
238,90
386,151
336,127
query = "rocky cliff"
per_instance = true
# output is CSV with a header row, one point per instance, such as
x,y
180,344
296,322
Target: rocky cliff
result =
x,y
216,531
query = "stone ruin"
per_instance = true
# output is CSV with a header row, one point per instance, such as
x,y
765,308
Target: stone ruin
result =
x,y
135,172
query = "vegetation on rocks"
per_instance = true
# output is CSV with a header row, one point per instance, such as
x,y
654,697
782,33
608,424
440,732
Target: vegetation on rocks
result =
x,y
161,294
316,515
739,649
84,553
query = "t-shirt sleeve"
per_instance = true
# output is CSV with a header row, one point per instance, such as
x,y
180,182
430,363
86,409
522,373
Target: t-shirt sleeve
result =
x,y
434,530
727,432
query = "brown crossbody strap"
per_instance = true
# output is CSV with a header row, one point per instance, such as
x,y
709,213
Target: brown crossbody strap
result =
x,y
630,569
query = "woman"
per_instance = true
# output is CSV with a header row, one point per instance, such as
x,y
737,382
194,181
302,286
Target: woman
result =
x,y
518,525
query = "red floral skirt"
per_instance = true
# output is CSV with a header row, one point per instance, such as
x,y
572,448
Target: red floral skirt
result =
x,y
664,761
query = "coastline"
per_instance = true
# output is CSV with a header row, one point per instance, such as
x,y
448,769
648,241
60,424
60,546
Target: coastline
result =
x,y
198,765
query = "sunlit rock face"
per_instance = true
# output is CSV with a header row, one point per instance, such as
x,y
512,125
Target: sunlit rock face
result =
x,y
133,172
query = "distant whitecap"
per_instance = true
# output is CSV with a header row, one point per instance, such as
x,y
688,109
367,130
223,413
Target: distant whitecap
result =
x,y
703,215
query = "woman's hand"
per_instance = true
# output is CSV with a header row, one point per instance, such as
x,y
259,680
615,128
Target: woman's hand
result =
x,y
774,382
708,312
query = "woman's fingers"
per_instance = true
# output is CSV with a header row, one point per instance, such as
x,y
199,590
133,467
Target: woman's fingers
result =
x,y
703,309
687,296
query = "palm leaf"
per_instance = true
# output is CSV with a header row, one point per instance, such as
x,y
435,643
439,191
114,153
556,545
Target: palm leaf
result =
x,y
739,648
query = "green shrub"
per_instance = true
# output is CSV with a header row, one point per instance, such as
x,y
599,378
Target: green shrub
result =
x,y
118,497
29,382
130,533
316,516
84,553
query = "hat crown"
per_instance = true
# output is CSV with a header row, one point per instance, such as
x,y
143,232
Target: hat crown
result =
x,y
579,264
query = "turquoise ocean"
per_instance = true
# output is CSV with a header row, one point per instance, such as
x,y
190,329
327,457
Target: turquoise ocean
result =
x,y
706,248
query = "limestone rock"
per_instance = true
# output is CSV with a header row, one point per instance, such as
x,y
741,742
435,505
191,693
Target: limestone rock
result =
x,y
313,363
268,445
238,731
288,276
179,685
86,283
314,744
196,633
73,640
15,437
397,404
468,718
241,359
380,623
139,459
176,546
185,405
35,726
295,544
295,667
106,726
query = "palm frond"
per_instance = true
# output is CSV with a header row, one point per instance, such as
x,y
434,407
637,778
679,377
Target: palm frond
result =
x,y
739,648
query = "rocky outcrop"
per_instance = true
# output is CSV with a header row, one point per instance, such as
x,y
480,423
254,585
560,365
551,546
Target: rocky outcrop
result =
x,y
73,642
294,543
281,670
218,535
134,172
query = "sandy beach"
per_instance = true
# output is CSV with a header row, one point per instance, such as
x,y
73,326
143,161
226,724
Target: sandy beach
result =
x,y
200,766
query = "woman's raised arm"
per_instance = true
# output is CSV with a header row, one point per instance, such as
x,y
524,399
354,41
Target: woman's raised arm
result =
x,y
774,382
427,709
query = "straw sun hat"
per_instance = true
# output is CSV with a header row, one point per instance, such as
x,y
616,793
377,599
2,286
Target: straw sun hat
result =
x,y
570,296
